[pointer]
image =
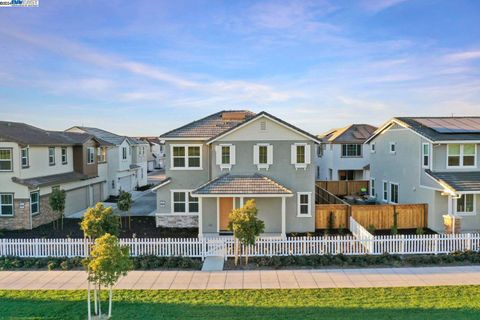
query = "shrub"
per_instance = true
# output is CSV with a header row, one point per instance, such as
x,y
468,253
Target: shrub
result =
x,y
420,231
371,228
393,230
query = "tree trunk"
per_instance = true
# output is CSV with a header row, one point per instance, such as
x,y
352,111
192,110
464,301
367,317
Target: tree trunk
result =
x,y
236,251
89,309
246,258
110,303
99,300
62,221
129,221
95,297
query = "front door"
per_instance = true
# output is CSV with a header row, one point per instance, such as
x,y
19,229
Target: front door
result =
x,y
225,207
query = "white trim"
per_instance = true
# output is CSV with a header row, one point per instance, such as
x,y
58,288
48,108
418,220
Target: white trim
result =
x,y
240,195
307,155
461,155
160,185
300,215
390,192
385,126
466,213
187,209
186,167
38,203
372,194
390,147
385,185
458,142
428,155
256,161
27,157
284,217
218,214
256,118
373,147
182,139
231,150
13,204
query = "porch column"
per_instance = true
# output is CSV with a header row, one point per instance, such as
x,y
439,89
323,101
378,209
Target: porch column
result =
x,y
284,218
200,218
241,202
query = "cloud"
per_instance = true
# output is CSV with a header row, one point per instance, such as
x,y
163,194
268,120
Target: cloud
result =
x,y
463,56
376,6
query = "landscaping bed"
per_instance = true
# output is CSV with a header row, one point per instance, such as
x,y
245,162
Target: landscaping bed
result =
x,y
355,261
404,303
141,227
412,231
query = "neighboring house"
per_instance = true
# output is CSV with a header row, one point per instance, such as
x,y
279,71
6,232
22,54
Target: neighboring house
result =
x,y
217,163
127,161
34,161
433,160
342,155
156,153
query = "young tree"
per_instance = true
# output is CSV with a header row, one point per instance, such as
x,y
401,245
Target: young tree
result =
x,y
124,204
57,203
107,262
246,226
98,221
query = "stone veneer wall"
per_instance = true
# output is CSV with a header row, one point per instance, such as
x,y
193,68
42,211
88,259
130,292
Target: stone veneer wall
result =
x,y
21,217
177,221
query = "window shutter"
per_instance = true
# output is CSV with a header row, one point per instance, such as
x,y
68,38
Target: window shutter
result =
x,y
255,154
232,154
307,154
218,155
293,155
269,154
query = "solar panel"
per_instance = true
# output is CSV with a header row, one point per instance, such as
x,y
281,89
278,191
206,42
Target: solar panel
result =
x,y
451,125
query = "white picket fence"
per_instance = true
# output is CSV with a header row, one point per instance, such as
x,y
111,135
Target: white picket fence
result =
x,y
225,246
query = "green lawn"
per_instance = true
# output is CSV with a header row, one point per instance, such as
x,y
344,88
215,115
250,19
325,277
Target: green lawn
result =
x,y
460,302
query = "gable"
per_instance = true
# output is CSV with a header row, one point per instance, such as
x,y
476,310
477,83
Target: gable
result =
x,y
262,129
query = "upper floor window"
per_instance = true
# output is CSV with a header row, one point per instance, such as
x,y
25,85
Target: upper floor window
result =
x,y
320,149
351,150
466,204
51,156
425,155
300,155
6,204
372,147
461,155
263,155
304,200
385,191
124,153
225,155
393,193
186,157
102,154
6,161
90,155
393,147
372,188
64,156
25,158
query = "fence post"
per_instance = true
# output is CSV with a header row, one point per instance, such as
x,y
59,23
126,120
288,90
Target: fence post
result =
x,y
469,242
204,248
436,244
4,247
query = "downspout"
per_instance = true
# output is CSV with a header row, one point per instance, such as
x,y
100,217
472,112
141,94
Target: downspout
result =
x,y
209,162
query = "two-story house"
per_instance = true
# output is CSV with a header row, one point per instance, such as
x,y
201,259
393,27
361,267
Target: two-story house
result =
x,y
155,155
342,154
127,161
34,161
217,163
431,160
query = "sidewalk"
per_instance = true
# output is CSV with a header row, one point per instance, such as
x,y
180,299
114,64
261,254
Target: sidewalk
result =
x,y
269,279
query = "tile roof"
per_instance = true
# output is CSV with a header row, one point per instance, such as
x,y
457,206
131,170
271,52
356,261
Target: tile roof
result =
x,y
51,179
112,138
209,126
355,133
29,135
458,181
443,128
242,184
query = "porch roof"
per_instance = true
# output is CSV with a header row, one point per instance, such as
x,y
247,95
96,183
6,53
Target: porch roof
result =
x,y
466,181
51,179
255,184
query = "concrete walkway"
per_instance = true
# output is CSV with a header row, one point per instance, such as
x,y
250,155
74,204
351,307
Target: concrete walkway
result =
x,y
285,279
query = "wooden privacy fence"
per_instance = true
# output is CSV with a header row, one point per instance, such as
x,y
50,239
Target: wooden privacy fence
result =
x,y
409,216
344,187
362,243
323,196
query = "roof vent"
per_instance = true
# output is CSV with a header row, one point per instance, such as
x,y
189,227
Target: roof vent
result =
x,y
234,115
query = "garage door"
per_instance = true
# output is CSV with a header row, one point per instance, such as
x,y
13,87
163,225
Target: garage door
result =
x,y
76,200
125,184
97,193
151,165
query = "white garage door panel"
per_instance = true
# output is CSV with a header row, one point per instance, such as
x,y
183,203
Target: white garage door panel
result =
x,y
125,184
97,193
76,200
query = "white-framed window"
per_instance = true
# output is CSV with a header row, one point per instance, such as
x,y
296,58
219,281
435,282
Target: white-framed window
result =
x,y
461,155
393,147
183,202
6,204
51,156
385,191
372,147
24,154
263,155
64,156
225,156
90,155
6,159
318,172
124,153
351,150
304,204
102,154
320,149
466,204
300,155
34,202
187,157
372,188
394,193
425,155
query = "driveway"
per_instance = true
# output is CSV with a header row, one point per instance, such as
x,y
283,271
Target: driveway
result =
x,y
144,205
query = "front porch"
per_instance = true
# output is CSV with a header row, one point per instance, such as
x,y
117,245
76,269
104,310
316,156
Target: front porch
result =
x,y
226,193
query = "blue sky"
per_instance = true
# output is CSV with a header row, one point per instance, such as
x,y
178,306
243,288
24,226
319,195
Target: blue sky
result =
x,y
145,67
